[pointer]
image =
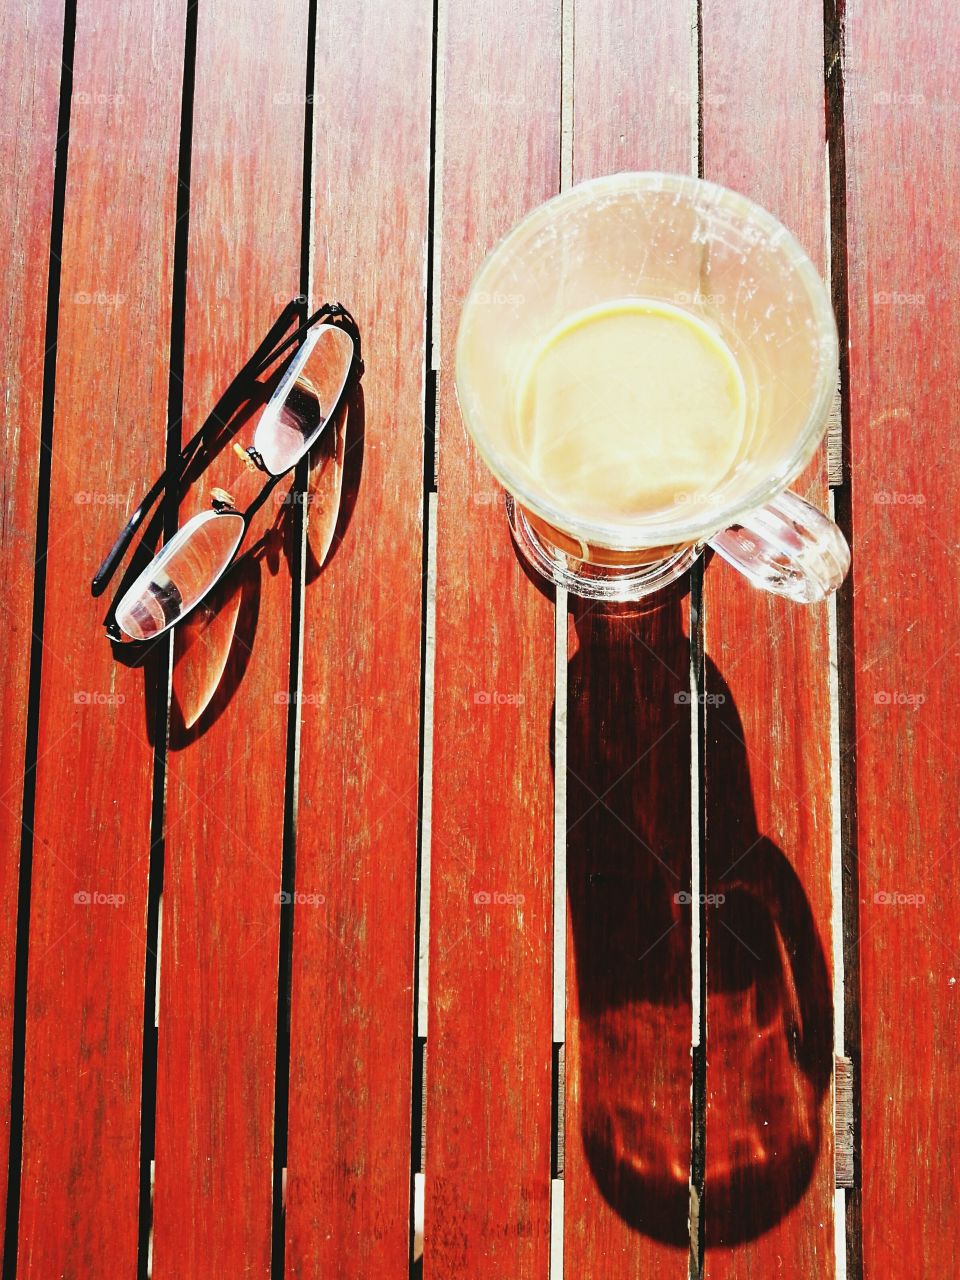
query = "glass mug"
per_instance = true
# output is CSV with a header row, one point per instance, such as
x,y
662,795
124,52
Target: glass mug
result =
x,y
684,250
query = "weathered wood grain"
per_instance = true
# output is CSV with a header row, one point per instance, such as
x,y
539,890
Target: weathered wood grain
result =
x,y
95,761
769,1171
489,1029
217,1021
349,1177
843,1117
31,38
902,113
629,981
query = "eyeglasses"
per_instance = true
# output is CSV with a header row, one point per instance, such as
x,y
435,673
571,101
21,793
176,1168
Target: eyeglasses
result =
x,y
307,396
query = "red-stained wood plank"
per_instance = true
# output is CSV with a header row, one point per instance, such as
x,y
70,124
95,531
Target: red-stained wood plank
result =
x,y
81,1134
769,1171
489,1025
352,1012
629,1015
217,1025
901,118
31,37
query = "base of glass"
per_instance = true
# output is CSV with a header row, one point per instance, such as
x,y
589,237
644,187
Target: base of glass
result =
x,y
593,581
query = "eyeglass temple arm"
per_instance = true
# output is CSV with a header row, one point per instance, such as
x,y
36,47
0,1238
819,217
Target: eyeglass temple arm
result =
x,y
262,358
250,371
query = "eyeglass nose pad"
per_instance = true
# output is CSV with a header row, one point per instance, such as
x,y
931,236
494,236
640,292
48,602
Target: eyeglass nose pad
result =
x,y
220,500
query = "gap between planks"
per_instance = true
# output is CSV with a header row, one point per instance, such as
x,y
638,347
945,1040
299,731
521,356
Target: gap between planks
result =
x,y
431,477
567,54
698,959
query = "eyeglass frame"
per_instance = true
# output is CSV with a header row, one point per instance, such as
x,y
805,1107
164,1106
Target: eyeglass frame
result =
x,y
240,388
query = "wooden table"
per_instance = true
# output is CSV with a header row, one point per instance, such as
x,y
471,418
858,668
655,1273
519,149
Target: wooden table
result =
x,y
403,880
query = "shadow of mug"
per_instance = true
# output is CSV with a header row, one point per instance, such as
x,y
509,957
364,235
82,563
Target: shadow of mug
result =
x,y
769,1004
628,1122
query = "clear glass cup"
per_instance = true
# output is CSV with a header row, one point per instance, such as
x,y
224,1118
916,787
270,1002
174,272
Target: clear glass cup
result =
x,y
734,267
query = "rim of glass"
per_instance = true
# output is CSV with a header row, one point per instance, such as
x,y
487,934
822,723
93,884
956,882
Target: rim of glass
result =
x,y
666,527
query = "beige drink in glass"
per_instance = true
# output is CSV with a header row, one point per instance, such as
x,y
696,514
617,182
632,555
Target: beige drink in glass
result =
x,y
646,362
592,402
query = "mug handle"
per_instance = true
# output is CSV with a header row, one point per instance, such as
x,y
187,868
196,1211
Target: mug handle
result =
x,y
787,547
